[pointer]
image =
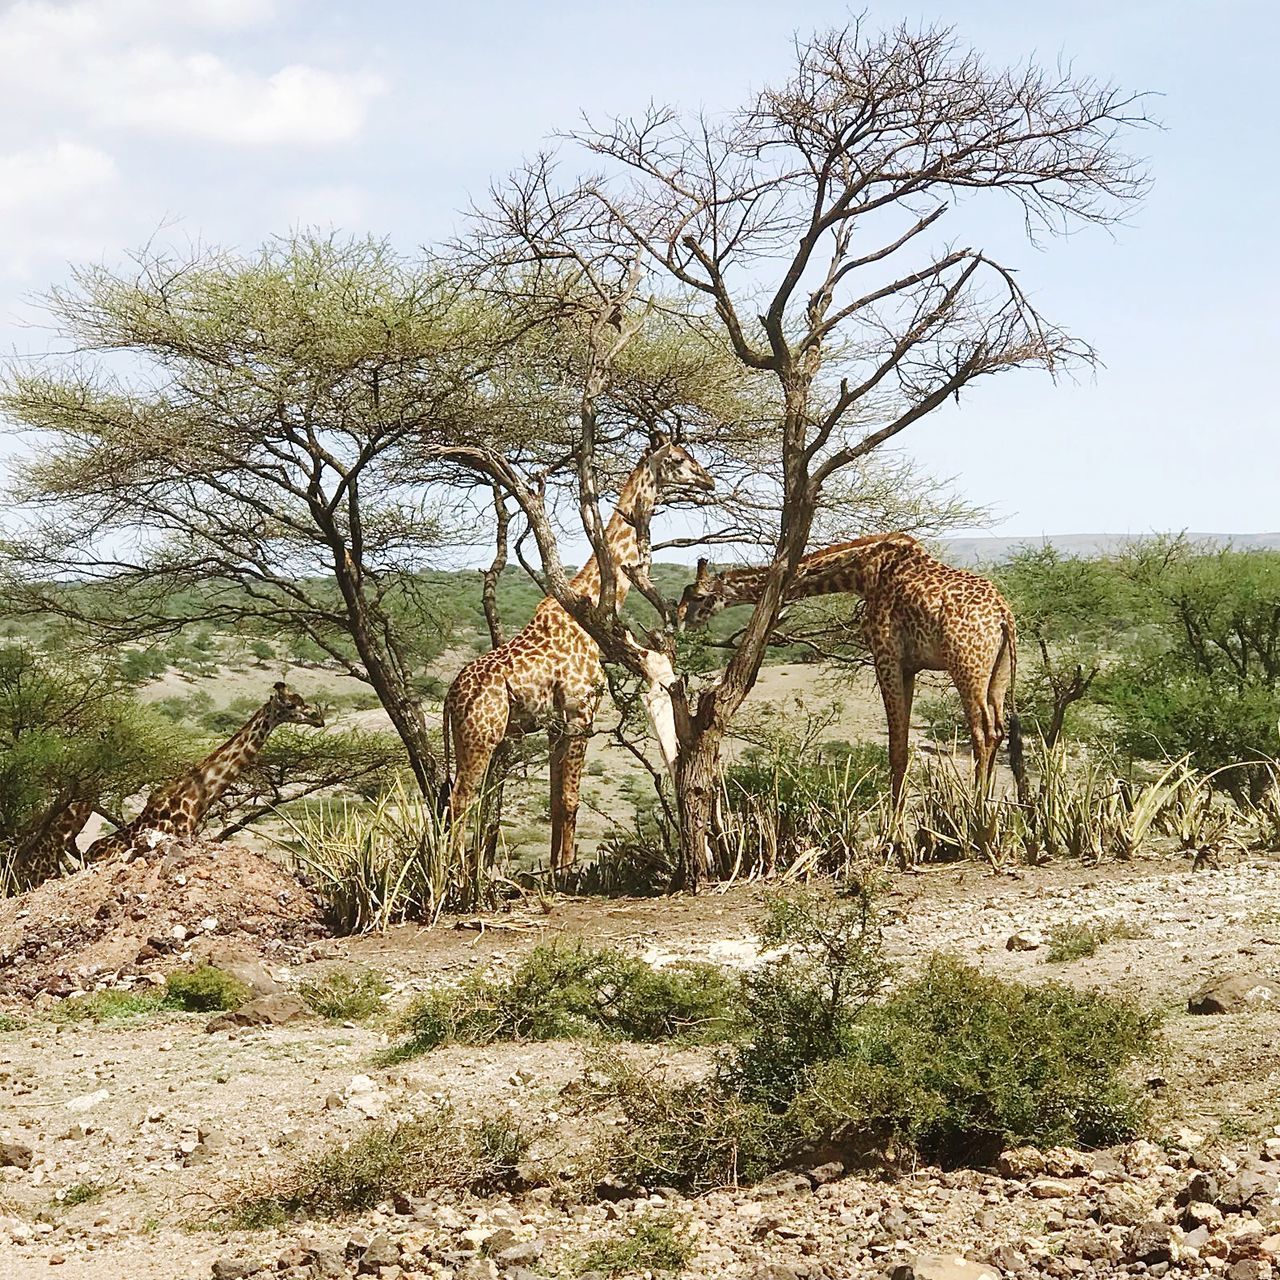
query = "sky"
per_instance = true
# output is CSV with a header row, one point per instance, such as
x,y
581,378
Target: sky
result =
x,y
229,121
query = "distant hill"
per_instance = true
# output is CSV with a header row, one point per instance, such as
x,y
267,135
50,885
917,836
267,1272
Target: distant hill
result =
x,y
965,551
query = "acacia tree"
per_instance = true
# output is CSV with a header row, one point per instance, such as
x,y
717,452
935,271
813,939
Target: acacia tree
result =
x,y
226,440
808,222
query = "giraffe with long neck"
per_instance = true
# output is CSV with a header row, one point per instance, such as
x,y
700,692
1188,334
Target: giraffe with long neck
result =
x,y
551,671
48,847
921,615
178,808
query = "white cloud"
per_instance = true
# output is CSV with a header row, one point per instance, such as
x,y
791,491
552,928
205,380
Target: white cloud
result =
x,y
130,64
53,202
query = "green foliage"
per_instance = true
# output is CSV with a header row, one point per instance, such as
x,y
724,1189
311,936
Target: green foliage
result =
x,y
80,1193
802,1005
345,996
654,1244
567,991
956,1064
1078,939
949,1066
110,1006
68,729
408,1158
205,989
384,862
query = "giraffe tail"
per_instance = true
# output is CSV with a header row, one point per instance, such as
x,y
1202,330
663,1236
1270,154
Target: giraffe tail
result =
x,y
1017,756
445,790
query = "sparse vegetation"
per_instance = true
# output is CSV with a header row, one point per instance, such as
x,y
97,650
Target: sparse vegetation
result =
x,y
109,1006
655,1244
1079,939
345,996
204,989
570,990
408,1158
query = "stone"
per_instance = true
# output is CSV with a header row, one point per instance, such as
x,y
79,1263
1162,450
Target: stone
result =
x,y
1021,1163
328,1264
823,1174
1234,993
1202,1187
521,1254
265,1011
1150,1242
382,1252
1121,1206
234,1269
16,1155
1251,1186
1025,940
242,965
1050,1188
943,1267
1249,1269
477,1269
496,1241
1199,1213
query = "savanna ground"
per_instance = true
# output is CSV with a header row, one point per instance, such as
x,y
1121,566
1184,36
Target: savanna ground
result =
x,y
144,1127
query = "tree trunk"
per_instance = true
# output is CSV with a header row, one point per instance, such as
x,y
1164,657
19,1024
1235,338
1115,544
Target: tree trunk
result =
x,y
697,781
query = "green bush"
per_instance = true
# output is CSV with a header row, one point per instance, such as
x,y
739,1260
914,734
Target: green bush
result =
x,y
655,1244
566,991
344,996
205,989
951,1066
409,1158
956,1064
1078,939
109,1006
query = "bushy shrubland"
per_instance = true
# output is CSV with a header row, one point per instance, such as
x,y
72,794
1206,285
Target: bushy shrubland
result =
x,y
951,1066
566,991
204,989
345,996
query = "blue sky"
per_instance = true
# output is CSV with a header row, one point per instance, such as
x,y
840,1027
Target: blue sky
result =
x,y
231,120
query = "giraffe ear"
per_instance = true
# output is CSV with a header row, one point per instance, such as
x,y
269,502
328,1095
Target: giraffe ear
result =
x,y
657,439
279,686
704,568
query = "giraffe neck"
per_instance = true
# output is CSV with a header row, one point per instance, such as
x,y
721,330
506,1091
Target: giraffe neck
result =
x,y
831,571
622,536
221,767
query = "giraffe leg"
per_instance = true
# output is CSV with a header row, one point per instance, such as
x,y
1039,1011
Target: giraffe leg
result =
x,y
895,687
982,728
568,753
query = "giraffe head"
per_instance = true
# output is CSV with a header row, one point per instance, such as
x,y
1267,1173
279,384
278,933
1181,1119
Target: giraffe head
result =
x,y
703,598
288,707
673,468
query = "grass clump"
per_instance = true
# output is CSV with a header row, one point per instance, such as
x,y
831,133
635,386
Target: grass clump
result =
x,y
562,992
345,996
656,1244
951,1066
410,1157
1079,939
204,989
80,1193
109,1006
10,1022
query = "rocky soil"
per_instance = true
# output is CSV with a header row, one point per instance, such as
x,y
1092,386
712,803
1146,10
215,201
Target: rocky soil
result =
x,y
121,1142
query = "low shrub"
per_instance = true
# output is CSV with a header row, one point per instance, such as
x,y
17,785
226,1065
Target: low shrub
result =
x,y
109,1006
204,989
409,1158
345,996
563,991
956,1064
654,1244
1079,939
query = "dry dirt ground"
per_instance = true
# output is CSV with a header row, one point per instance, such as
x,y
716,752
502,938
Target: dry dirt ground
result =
x,y
115,1113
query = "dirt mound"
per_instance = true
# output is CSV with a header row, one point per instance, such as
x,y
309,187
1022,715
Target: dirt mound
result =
x,y
149,916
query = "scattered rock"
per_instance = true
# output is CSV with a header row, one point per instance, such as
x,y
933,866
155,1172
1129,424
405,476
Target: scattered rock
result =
x,y
1021,1163
1247,1189
382,1252
1050,1188
938,1267
1234,994
265,1011
1150,1242
1025,940
234,1269
16,1155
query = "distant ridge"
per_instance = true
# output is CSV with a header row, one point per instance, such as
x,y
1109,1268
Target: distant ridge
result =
x,y
993,550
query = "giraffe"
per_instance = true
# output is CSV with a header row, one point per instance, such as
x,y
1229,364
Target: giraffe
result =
x,y
551,672
48,846
178,808
921,615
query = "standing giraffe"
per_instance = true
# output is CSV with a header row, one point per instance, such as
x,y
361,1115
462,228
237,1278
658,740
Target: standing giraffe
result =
x,y
179,807
551,672
48,847
921,615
